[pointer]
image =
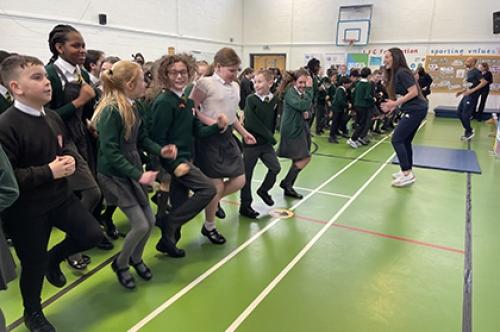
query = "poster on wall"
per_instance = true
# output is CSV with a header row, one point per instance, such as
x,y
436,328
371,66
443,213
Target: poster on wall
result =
x,y
375,61
415,62
357,61
449,72
309,56
200,55
332,59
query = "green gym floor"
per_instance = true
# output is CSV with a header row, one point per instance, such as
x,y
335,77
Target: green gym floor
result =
x,y
359,255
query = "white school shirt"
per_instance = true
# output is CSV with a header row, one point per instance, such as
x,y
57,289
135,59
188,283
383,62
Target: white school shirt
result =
x,y
300,93
28,110
93,79
68,70
270,96
179,93
221,97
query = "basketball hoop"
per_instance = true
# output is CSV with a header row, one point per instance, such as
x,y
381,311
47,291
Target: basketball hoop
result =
x,y
349,42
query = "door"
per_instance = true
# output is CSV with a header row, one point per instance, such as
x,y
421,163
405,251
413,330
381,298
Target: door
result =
x,y
264,61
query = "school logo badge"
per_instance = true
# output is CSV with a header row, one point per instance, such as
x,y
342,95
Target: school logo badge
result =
x,y
60,141
281,213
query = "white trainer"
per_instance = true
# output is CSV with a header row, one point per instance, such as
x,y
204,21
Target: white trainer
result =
x,y
404,180
397,175
352,143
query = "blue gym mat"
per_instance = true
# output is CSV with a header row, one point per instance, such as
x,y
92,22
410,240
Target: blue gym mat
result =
x,y
444,159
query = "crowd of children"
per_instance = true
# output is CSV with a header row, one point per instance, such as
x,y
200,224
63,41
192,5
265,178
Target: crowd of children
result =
x,y
88,133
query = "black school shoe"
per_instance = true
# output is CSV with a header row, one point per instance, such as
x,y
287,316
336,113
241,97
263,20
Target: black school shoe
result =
x,y
105,244
79,265
55,276
289,191
142,271
36,322
126,282
220,212
171,250
110,228
214,236
266,198
248,212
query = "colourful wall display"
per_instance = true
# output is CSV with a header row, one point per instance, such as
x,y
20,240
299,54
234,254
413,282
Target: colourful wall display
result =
x,y
449,71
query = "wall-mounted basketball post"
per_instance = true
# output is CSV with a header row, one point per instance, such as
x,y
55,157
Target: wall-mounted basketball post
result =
x,y
353,26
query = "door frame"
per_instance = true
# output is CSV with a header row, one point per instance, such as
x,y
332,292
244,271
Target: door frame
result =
x,y
252,62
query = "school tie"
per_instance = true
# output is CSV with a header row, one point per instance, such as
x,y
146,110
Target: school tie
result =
x,y
134,105
8,97
183,98
301,96
266,100
79,78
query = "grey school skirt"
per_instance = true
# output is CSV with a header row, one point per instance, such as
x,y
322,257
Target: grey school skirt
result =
x,y
296,148
219,156
123,191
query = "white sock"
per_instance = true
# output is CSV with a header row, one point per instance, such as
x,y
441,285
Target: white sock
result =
x,y
209,225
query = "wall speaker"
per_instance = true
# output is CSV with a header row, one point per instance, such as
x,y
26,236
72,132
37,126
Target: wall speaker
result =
x,y
103,19
496,22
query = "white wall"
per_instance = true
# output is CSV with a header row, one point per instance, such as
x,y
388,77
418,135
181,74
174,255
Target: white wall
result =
x,y
147,26
293,27
297,27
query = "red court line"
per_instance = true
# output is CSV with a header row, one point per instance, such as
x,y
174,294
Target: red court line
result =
x,y
360,230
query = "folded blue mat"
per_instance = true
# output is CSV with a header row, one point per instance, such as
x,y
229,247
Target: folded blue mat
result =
x,y
445,159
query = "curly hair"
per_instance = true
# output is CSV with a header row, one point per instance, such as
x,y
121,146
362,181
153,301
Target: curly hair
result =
x,y
311,66
167,61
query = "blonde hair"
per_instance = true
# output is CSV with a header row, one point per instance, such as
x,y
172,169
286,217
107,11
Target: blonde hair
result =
x,y
113,83
268,75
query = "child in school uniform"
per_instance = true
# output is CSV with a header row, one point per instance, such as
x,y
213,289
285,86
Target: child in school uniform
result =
x,y
364,100
323,99
296,89
5,97
339,107
219,157
9,192
174,122
35,142
120,169
92,64
260,121
72,98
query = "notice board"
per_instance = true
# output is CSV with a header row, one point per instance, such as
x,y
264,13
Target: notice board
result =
x,y
449,72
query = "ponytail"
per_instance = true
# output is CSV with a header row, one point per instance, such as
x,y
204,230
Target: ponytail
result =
x,y
113,82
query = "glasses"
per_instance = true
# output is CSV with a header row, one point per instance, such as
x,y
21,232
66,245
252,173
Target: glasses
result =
x,y
174,73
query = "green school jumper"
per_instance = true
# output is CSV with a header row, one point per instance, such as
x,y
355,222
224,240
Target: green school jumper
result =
x,y
363,97
111,161
260,119
339,102
174,123
4,104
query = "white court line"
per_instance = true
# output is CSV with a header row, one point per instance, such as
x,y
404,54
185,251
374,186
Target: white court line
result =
x,y
318,192
301,254
309,245
214,268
